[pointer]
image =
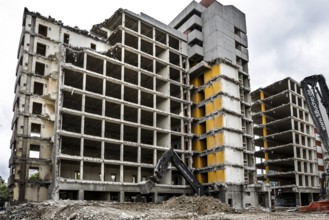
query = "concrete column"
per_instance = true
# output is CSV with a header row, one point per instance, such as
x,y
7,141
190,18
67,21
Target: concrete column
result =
x,y
122,196
298,199
81,170
121,174
155,197
81,195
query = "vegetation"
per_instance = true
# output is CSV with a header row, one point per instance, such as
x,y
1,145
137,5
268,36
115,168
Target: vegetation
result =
x,y
34,176
4,193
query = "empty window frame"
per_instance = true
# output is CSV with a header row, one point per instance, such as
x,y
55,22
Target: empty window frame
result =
x,y
34,151
36,108
66,38
41,49
33,173
40,68
43,30
38,88
93,46
35,130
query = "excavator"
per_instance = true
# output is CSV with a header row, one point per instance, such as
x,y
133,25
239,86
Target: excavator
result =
x,y
170,156
314,89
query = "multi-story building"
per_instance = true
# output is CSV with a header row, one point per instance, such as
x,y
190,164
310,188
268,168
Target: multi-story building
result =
x,y
94,111
286,143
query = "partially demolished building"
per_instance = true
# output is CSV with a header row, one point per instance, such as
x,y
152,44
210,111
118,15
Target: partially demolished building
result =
x,y
94,111
285,141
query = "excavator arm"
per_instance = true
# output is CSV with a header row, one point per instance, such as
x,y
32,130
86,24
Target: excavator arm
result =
x,y
312,94
170,156
315,88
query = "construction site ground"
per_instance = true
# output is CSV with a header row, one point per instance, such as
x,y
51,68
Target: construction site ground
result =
x,y
182,207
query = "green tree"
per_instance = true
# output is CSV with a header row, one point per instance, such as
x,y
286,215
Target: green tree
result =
x,y
4,192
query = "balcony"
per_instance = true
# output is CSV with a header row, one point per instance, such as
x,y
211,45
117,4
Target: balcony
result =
x,y
195,36
195,53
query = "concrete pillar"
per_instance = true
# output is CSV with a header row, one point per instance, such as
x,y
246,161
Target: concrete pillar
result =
x,y
122,196
81,195
155,197
298,199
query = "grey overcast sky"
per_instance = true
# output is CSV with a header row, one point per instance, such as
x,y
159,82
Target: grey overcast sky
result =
x,y
286,38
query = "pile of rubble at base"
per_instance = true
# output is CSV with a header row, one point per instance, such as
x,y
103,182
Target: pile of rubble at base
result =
x,y
183,207
203,205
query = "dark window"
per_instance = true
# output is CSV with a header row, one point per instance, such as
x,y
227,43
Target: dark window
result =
x,y
34,151
43,30
40,68
66,38
41,49
36,108
93,46
35,130
38,88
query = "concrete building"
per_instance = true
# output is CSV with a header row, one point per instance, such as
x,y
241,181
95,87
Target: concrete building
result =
x,y
94,111
286,143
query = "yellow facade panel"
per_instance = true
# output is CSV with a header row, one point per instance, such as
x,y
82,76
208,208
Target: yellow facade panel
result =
x,y
215,158
199,162
218,120
198,145
217,103
210,124
212,73
198,129
216,176
197,98
209,108
202,177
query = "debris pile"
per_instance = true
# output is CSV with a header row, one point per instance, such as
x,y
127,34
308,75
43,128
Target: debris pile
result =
x,y
182,207
203,205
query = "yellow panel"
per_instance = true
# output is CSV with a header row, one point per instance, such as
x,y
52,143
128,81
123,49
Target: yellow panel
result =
x,y
208,92
210,142
207,76
215,70
198,129
198,145
197,113
209,108
216,87
196,82
215,158
202,177
218,121
217,104
197,97
199,162
210,124
212,73
216,176
219,139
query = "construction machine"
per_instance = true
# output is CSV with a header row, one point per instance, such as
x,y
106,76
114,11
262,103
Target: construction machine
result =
x,y
170,156
315,88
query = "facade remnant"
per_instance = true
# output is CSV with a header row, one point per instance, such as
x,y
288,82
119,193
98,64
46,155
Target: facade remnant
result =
x,y
94,111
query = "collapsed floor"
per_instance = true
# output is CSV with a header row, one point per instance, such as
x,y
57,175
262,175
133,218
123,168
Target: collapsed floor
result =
x,y
182,207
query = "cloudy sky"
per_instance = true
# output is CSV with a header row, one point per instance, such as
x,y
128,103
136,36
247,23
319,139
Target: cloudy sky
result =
x,y
286,38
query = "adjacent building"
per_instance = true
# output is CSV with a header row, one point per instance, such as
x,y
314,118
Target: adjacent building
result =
x,y
287,147
94,111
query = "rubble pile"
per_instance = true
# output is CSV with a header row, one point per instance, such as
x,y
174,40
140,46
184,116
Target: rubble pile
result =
x,y
203,205
182,207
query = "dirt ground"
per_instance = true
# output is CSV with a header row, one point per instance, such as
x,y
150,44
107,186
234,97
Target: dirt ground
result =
x,y
182,207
